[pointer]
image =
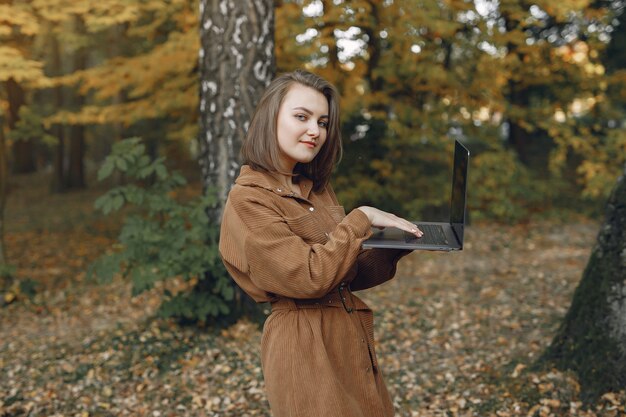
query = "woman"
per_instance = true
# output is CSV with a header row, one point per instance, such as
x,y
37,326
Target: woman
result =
x,y
286,240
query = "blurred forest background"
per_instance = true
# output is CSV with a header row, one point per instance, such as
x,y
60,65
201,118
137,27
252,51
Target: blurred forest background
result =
x,y
535,89
103,98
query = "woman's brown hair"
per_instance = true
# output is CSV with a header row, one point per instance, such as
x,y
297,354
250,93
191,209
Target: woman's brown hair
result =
x,y
260,148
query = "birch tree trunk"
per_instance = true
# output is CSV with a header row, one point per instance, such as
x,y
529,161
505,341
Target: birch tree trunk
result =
x,y
236,60
592,338
236,64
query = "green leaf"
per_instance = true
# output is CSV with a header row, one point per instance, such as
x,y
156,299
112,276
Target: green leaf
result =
x,y
228,293
143,279
117,202
121,164
144,161
100,202
161,172
106,169
145,172
104,268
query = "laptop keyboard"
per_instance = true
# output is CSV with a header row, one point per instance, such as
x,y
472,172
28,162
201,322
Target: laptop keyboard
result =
x,y
433,235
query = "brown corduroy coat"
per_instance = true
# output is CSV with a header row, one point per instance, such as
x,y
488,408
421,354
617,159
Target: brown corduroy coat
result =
x,y
317,350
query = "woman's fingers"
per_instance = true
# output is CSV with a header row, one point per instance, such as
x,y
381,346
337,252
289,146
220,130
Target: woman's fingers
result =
x,y
407,226
382,219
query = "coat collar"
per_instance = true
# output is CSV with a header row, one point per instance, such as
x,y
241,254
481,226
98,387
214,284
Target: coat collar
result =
x,y
250,178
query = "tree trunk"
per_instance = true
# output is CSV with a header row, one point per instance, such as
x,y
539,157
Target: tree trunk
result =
x,y
374,51
518,137
592,338
236,64
518,96
23,150
58,165
3,192
76,168
236,60
6,276
614,57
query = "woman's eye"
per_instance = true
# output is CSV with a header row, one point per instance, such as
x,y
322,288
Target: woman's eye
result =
x,y
323,123
301,117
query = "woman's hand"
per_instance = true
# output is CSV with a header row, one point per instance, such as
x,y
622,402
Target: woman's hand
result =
x,y
382,219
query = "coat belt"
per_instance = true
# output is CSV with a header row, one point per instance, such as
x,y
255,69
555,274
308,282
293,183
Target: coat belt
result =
x,y
339,297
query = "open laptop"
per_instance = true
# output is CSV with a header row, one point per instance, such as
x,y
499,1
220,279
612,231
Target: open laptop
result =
x,y
437,235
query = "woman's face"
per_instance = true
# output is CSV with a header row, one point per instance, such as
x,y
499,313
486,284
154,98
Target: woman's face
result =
x,y
301,128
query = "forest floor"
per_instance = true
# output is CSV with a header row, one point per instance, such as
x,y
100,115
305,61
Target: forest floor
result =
x,y
457,334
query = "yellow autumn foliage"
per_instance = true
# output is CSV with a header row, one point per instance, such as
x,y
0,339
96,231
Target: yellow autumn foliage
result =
x,y
159,83
18,17
14,65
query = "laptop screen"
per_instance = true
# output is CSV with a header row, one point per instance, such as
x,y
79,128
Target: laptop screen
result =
x,y
459,189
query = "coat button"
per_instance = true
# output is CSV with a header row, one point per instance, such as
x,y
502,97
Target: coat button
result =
x,y
311,208
279,190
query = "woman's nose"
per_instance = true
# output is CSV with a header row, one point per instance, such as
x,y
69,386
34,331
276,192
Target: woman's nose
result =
x,y
314,129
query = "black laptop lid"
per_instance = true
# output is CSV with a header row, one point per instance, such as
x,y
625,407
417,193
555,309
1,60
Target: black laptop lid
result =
x,y
459,190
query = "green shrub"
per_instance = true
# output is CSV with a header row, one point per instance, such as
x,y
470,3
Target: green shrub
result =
x,y
163,238
502,189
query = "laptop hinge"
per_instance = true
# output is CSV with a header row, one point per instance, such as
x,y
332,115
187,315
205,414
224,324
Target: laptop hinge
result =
x,y
456,235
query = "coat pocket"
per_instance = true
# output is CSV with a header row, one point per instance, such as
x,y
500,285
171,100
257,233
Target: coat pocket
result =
x,y
308,228
337,213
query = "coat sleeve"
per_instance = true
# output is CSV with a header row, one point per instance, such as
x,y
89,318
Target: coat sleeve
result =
x,y
281,262
376,266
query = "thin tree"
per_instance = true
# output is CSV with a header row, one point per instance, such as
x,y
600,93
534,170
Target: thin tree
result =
x,y
75,176
3,190
6,278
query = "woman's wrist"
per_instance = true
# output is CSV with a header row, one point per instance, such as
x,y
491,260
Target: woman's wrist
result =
x,y
366,210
